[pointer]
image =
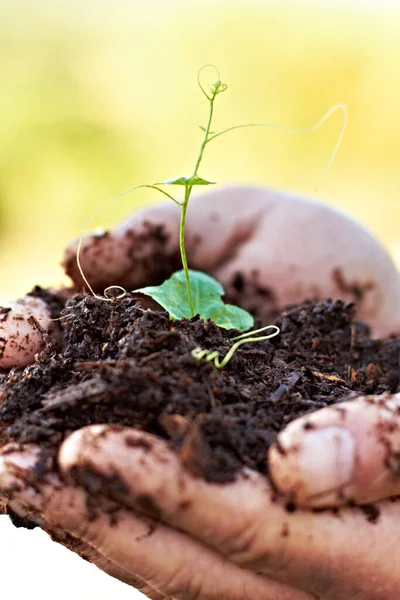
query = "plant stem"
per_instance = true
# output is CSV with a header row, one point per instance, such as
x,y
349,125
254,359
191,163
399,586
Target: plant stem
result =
x,y
188,191
206,134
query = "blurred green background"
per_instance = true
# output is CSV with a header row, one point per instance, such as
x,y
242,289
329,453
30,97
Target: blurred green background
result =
x,y
97,96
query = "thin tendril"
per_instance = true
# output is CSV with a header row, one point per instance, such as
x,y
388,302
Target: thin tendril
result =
x,y
245,338
312,129
106,203
110,296
198,78
217,88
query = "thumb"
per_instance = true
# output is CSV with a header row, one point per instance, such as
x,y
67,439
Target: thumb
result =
x,y
144,250
346,453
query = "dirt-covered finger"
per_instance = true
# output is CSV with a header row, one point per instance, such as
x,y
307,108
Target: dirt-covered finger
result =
x,y
25,324
145,249
29,514
240,235
243,521
349,452
87,552
171,562
141,471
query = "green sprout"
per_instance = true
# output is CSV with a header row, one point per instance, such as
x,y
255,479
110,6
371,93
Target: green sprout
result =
x,y
244,338
189,182
188,292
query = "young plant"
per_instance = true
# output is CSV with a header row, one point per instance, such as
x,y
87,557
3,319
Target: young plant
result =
x,y
190,292
187,292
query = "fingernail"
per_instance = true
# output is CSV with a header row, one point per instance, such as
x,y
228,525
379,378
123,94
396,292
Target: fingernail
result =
x,y
326,460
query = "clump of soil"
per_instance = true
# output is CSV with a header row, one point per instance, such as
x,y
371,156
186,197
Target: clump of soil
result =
x,y
122,363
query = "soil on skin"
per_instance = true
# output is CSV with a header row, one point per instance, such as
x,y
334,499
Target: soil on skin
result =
x,y
124,364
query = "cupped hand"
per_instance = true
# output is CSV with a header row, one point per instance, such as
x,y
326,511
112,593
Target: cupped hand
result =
x,y
268,249
198,540
176,536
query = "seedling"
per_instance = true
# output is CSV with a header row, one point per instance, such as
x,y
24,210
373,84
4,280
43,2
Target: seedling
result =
x,y
188,292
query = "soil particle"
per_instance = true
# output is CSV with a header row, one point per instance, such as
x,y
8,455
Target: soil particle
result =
x,y
238,282
285,532
34,323
18,521
4,313
126,365
259,299
291,507
95,482
357,290
54,302
151,529
132,442
148,505
3,343
149,250
371,511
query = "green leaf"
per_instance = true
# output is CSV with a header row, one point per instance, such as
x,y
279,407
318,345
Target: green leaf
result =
x,y
194,180
206,293
204,129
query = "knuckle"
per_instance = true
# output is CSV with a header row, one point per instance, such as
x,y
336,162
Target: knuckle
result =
x,y
260,549
242,545
183,583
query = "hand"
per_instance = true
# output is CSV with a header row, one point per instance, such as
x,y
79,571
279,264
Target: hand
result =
x,y
268,249
281,542
175,536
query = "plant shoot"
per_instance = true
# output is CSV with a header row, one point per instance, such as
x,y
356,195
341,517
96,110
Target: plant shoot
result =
x,y
187,292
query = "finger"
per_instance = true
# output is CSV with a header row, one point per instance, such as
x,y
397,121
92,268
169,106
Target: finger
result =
x,y
241,235
326,259
84,550
145,249
168,560
24,326
349,452
242,521
87,552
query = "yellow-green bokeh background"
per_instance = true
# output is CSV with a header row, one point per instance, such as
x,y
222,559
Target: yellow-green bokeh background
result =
x,y
99,95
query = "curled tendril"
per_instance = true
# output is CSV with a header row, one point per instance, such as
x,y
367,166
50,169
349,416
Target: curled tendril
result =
x,y
110,296
218,87
218,82
153,186
244,338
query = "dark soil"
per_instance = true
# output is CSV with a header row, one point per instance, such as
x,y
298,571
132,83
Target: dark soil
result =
x,y
122,363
